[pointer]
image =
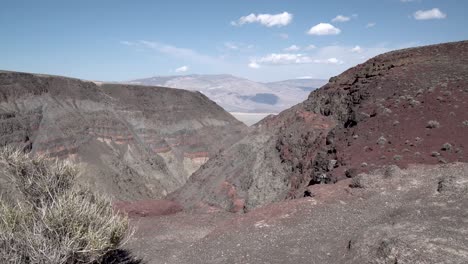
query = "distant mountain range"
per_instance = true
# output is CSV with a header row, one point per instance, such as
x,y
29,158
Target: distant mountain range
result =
x,y
236,94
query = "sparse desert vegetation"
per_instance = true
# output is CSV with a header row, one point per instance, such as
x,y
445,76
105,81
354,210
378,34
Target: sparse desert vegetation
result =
x,y
433,124
51,219
381,140
447,147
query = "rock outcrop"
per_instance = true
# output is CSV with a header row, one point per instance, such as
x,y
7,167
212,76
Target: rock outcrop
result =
x,y
403,107
134,142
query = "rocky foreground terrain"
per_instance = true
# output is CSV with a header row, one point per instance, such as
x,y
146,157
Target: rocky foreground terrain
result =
x,y
134,142
416,215
371,168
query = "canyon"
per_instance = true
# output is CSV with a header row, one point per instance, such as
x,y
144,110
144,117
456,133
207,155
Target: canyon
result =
x,y
370,168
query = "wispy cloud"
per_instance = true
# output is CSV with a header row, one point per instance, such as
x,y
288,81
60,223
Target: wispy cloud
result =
x,y
182,53
434,13
236,46
341,18
330,61
322,29
333,56
231,46
267,20
371,24
292,48
127,43
284,58
182,69
290,58
254,65
357,49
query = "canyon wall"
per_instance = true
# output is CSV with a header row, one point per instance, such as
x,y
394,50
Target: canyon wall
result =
x,y
133,142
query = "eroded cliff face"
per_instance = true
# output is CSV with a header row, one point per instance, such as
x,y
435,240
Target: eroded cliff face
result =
x,y
133,142
403,107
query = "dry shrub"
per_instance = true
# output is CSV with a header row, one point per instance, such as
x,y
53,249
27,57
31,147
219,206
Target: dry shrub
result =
x,y
54,220
432,124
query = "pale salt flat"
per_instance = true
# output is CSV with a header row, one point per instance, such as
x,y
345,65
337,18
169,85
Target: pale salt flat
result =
x,y
250,118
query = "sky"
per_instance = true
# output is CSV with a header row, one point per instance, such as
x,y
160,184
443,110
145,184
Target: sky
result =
x,y
262,40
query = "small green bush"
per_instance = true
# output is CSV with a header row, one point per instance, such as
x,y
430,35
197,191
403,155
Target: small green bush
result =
x,y
53,220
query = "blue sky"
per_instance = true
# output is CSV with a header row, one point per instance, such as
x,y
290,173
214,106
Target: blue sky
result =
x,y
113,40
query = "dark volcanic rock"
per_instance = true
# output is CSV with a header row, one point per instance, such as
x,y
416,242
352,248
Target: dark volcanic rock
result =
x,y
371,115
133,142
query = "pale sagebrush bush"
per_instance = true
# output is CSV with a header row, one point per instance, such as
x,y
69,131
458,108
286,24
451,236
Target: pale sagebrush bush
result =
x,y
53,220
39,179
432,124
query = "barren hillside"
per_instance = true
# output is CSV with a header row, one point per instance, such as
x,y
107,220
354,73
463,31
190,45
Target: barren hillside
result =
x,y
135,142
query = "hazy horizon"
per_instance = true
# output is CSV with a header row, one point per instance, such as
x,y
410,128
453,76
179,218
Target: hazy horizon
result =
x,y
262,41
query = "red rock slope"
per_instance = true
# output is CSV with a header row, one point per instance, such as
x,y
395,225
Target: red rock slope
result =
x,y
403,107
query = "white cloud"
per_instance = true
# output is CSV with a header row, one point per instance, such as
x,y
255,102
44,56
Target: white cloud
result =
x,y
330,61
254,65
334,61
371,24
292,48
284,58
320,63
341,18
357,49
323,29
310,47
434,13
291,58
182,69
329,57
304,77
268,20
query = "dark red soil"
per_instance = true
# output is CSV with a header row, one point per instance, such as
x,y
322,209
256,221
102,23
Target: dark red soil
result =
x,y
148,208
